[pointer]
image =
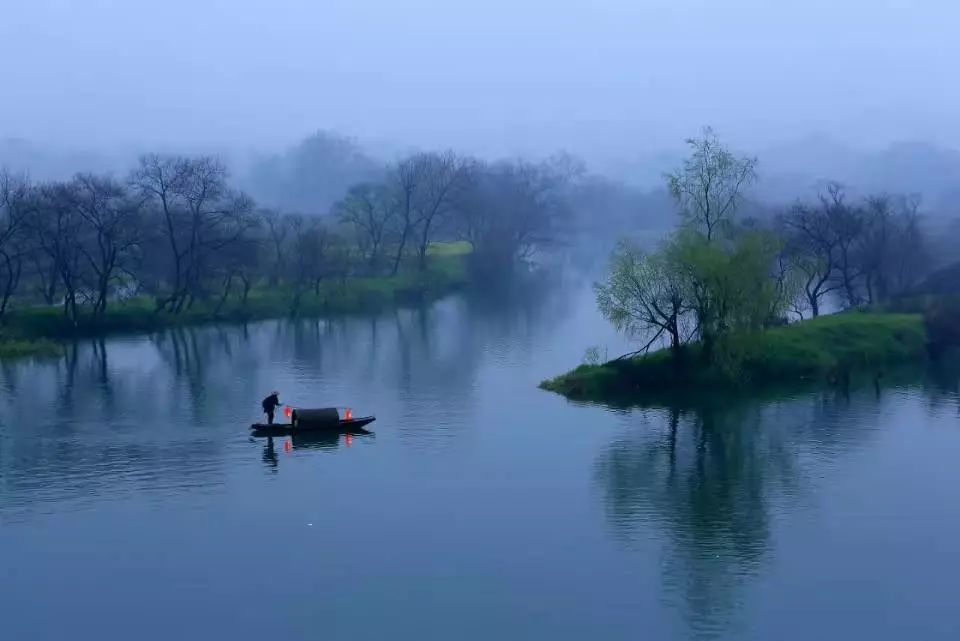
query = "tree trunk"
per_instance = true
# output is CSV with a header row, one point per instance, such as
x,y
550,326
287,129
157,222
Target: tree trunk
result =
x,y
103,285
246,288
814,301
424,245
407,226
400,250
48,282
676,349
297,296
227,283
14,270
70,307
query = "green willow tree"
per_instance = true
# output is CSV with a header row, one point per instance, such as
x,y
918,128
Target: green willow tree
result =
x,y
732,289
713,280
708,188
645,297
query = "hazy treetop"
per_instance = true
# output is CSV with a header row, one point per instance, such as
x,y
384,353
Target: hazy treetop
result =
x,y
491,76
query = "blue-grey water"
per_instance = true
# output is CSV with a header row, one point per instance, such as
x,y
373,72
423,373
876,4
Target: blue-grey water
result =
x,y
133,504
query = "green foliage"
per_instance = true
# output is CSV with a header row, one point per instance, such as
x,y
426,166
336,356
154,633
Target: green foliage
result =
x,y
455,248
729,287
712,275
18,348
643,295
708,187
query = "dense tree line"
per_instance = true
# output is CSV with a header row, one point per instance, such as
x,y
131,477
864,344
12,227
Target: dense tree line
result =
x,y
176,230
719,275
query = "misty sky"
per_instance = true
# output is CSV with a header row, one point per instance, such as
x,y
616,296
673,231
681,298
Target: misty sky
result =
x,y
492,76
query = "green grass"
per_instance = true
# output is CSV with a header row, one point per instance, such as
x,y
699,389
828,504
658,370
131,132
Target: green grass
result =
x,y
825,349
454,248
35,330
20,348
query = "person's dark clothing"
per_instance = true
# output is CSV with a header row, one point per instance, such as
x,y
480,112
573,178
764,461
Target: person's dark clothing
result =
x,y
270,405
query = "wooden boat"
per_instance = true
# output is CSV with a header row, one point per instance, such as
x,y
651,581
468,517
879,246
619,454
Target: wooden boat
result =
x,y
302,421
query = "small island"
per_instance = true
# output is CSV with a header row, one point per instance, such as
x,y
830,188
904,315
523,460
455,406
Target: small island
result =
x,y
728,302
828,349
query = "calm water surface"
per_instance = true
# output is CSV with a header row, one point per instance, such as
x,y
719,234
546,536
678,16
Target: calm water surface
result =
x,y
133,505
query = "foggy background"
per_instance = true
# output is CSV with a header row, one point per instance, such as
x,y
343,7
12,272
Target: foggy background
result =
x,y
862,91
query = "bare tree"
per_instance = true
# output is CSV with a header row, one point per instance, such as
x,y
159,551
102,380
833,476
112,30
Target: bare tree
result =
x,y
308,247
55,228
910,258
201,215
866,251
404,185
277,229
893,250
160,180
110,233
14,208
847,225
708,187
237,261
442,175
811,250
370,212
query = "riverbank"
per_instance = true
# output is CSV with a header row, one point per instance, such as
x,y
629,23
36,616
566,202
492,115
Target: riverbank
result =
x,y
826,349
40,331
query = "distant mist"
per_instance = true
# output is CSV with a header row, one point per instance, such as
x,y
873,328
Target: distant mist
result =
x,y
314,172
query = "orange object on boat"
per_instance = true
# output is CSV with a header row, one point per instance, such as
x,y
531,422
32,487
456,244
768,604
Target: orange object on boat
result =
x,y
348,414
288,411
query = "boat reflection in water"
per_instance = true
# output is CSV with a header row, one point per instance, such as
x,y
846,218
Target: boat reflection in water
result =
x,y
327,440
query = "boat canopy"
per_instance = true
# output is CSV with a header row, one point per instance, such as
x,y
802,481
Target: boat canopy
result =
x,y
328,416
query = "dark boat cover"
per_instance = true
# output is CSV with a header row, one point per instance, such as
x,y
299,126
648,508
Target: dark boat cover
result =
x,y
327,417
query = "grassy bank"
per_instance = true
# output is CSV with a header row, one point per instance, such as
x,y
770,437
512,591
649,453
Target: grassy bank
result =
x,y
14,347
828,349
37,330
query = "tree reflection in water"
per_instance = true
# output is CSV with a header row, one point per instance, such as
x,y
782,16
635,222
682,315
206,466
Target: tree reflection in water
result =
x,y
706,481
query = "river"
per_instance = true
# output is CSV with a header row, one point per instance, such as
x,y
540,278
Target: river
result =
x,y
133,504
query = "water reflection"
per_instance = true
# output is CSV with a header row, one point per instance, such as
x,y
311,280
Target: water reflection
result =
x,y
177,402
131,458
327,441
706,479
712,479
270,455
330,441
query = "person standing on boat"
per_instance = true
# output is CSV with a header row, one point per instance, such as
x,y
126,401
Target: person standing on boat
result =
x,y
270,405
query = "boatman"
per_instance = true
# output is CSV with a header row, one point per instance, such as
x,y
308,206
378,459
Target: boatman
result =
x,y
270,405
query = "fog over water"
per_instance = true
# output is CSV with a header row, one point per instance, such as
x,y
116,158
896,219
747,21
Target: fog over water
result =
x,y
407,209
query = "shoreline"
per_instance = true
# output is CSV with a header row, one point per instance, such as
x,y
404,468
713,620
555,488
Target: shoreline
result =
x,y
826,350
44,331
